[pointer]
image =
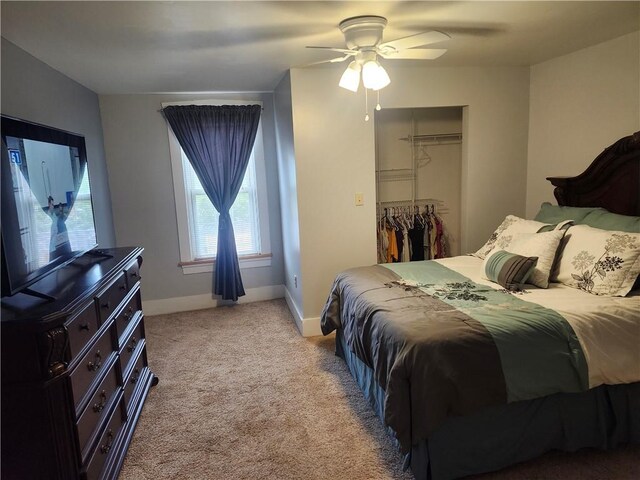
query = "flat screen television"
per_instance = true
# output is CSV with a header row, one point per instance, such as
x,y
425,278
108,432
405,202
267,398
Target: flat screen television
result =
x,y
47,210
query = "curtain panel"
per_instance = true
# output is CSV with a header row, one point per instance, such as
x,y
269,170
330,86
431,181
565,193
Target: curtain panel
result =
x,y
218,141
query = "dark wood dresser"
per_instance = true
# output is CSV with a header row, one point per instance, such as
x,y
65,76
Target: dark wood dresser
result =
x,y
74,370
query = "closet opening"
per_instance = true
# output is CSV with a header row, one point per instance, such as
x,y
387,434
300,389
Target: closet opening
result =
x,y
418,182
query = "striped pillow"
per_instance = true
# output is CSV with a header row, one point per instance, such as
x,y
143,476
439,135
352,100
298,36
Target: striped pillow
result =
x,y
508,269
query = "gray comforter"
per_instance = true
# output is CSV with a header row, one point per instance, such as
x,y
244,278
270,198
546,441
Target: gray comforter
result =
x,y
440,345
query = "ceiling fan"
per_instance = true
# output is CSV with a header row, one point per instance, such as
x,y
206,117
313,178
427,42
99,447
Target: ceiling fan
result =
x,y
363,37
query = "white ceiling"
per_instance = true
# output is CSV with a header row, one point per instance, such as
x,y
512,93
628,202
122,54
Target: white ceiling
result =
x,y
136,47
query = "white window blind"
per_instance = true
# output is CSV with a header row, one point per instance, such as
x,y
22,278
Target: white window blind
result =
x,y
203,217
80,221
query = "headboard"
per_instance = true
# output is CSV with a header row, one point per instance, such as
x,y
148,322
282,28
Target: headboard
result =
x,y
611,181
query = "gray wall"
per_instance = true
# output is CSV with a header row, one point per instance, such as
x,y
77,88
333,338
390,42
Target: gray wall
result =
x,y
137,145
31,90
288,192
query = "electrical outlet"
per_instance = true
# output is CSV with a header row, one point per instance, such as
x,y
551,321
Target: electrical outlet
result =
x,y
359,199
295,281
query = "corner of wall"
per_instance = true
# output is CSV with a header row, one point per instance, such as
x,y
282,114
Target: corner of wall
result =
x,y
308,327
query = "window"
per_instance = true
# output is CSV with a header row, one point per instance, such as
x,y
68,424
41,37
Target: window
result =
x,y
80,221
198,219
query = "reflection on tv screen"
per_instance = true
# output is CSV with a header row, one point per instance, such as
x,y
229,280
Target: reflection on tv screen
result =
x,y
51,190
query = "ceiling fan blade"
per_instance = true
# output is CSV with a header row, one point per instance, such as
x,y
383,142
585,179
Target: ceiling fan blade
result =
x,y
414,54
424,38
331,60
334,49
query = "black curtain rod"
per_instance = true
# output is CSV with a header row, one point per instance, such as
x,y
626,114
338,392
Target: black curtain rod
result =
x,y
162,109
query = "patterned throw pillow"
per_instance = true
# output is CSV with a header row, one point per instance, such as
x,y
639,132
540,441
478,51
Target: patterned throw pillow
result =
x,y
508,269
503,235
542,245
601,262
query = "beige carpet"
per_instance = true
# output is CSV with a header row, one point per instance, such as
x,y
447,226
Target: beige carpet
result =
x,y
243,396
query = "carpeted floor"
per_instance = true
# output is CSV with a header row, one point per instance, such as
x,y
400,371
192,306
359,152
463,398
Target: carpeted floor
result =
x,y
243,396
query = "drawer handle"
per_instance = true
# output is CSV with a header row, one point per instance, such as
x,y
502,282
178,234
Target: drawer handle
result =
x,y
98,407
135,274
85,327
135,376
106,447
93,366
132,347
128,314
106,305
123,286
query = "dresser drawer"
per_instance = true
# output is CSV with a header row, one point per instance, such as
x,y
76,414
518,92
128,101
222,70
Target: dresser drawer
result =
x,y
107,444
133,275
126,316
81,329
128,349
97,408
133,378
90,367
109,300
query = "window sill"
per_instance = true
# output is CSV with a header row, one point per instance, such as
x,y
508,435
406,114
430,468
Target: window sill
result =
x,y
206,265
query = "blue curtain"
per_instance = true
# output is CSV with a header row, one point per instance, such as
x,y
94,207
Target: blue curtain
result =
x,y
218,141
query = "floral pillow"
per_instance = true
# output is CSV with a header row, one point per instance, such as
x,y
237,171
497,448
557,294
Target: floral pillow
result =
x,y
502,237
543,246
600,262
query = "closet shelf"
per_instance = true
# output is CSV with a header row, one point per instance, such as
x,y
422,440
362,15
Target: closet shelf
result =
x,y
434,139
395,174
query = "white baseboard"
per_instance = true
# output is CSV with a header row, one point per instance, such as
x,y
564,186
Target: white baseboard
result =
x,y
311,327
308,327
199,302
293,308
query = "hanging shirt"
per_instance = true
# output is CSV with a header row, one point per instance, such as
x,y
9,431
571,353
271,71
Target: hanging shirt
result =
x,y
427,237
416,236
439,240
433,235
400,244
392,251
383,244
406,250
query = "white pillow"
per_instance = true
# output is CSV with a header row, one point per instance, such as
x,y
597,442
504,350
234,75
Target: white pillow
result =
x,y
503,235
601,262
543,245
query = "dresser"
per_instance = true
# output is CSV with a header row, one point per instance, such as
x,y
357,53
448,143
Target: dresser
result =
x,y
75,374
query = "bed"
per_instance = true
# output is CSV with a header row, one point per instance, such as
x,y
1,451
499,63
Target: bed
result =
x,y
468,376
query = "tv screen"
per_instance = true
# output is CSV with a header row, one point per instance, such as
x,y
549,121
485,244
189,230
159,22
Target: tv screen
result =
x,y
47,211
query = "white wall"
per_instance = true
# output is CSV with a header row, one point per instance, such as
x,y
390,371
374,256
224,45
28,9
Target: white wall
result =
x,y
33,91
137,148
334,152
580,103
335,158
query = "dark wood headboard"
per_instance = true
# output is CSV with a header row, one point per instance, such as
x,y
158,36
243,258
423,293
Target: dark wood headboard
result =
x,y
611,181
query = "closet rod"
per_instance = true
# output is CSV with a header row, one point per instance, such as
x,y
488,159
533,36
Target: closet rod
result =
x,y
439,205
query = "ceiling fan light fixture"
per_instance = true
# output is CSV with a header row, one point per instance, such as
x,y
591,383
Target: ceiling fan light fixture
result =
x,y
374,76
351,77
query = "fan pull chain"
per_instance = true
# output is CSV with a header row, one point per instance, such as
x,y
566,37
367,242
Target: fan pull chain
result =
x,y
378,107
366,105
